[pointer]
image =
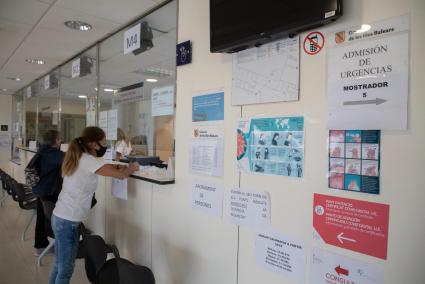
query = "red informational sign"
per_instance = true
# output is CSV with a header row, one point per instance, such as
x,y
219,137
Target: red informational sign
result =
x,y
313,43
356,225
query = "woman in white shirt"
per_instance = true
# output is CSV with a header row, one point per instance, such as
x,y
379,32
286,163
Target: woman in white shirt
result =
x,y
81,165
123,145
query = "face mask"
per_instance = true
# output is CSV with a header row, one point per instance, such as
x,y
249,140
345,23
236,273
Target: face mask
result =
x,y
101,151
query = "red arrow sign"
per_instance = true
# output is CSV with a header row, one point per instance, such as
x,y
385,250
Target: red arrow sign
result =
x,y
352,224
341,270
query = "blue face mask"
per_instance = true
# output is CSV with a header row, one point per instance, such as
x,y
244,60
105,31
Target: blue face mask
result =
x,y
100,152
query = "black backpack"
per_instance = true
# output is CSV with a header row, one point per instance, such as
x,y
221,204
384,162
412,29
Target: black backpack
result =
x,y
32,177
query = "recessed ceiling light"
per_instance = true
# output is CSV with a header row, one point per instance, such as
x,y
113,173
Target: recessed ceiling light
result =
x,y
108,90
14,78
82,97
364,28
4,90
35,61
151,80
78,25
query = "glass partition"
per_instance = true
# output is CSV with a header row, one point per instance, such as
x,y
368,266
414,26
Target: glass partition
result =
x,y
127,82
31,111
78,94
48,104
18,122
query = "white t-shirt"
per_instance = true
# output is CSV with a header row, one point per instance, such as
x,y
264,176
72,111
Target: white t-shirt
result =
x,y
123,148
74,201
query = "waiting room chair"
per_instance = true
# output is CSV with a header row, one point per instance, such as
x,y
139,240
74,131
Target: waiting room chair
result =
x,y
26,200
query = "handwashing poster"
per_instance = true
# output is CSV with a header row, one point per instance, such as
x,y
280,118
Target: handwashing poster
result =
x,y
272,146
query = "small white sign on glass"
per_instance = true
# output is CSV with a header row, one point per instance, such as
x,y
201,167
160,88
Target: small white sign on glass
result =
x,y
132,39
75,71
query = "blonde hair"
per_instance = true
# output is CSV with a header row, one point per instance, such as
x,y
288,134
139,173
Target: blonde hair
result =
x,y
78,146
121,136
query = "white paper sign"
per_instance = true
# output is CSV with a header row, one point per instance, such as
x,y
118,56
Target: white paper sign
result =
x,y
269,73
64,147
368,83
249,208
163,101
29,92
33,145
112,125
75,71
103,120
119,188
47,82
282,255
208,197
329,268
132,39
91,118
206,155
55,117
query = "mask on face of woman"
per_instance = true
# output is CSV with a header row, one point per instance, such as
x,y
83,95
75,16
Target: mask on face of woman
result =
x,y
101,151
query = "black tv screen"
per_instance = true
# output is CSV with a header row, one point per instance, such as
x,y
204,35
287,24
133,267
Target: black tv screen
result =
x,y
239,24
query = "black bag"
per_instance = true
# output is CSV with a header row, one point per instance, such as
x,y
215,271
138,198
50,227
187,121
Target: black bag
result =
x,y
32,177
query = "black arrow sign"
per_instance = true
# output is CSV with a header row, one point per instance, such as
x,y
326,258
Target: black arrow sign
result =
x,y
376,101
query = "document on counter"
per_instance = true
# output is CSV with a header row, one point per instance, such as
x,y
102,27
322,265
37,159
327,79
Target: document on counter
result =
x,y
249,208
208,197
119,188
283,255
207,151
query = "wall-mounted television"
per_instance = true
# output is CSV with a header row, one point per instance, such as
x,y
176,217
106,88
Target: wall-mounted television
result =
x,y
239,24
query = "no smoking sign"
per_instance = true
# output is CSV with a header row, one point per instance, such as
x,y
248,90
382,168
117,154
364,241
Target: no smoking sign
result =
x,y
313,43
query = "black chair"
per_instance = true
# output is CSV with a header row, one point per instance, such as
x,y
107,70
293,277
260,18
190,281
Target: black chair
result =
x,y
112,271
3,175
26,200
48,207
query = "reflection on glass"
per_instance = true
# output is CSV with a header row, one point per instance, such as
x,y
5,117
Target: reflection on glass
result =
x,y
78,95
132,78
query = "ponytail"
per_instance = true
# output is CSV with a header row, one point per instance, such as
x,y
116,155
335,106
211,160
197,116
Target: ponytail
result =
x,y
72,157
78,146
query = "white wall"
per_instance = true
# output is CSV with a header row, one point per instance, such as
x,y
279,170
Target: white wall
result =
x,y
5,118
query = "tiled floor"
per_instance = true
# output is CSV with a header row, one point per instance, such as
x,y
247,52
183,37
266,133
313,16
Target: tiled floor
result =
x,y
17,263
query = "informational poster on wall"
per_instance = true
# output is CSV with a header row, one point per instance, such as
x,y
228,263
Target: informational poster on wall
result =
x,y
250,208
368,76
103,120
5,141
208,197
269,73
283,255
354,160
207,151
112,124
163,101
271,145
208,107
356,225
128,94
108,121
330,268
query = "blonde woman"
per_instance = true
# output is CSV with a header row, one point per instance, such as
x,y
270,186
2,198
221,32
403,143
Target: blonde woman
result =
x,y
81,165
123,145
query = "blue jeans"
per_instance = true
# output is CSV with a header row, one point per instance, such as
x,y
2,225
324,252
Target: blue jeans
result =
x,y
67,235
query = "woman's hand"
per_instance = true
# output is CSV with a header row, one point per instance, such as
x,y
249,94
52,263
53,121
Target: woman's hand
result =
x,y
134,166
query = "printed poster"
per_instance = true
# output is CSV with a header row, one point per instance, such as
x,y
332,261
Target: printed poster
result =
x,y
368,76
352,224
354,160
283,255
330,268
208,107
207,151
272,146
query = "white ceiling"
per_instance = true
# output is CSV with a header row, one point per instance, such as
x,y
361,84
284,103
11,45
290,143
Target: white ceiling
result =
x,y
35,29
